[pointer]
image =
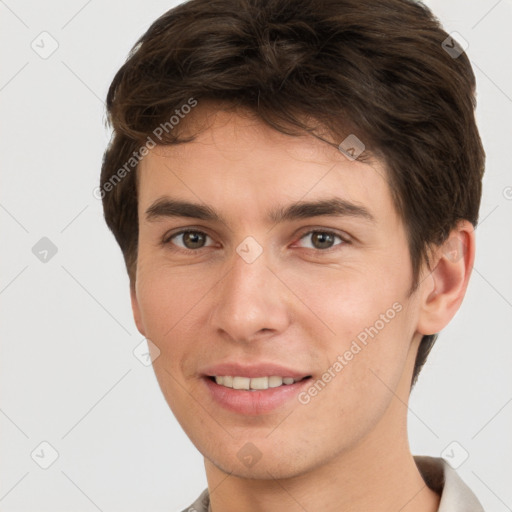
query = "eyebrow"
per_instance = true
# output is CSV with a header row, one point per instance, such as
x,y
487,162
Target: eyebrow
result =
x,y
335,206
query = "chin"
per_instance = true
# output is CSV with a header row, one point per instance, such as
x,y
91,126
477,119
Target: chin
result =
x,y
262,470
261,461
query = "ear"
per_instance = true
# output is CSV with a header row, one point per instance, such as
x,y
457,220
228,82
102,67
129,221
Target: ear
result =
x,y
444,286
136,309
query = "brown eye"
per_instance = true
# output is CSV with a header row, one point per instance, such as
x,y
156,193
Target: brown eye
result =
x,y
322,239
189,239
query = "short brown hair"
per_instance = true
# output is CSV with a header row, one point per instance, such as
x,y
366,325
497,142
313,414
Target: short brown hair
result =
x,y
380,70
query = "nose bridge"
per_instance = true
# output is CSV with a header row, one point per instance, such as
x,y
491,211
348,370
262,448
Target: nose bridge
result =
x,y
249,298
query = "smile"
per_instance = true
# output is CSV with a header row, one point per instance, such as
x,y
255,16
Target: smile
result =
x,y
256,383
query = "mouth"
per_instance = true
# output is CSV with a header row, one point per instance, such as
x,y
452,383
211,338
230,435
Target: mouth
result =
x,y
240,383
254,396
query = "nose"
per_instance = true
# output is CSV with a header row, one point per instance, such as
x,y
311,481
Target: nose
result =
x,y
250,301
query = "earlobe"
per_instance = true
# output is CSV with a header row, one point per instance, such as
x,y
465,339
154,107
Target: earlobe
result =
x,y
136,310
445,286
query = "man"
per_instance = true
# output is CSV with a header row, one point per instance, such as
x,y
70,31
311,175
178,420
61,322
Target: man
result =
x,y
294,187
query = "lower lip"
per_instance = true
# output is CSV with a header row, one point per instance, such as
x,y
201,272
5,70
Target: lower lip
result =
x,y
252,403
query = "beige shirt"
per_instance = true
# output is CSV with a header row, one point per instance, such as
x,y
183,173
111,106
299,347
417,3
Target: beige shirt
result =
x,y
456,496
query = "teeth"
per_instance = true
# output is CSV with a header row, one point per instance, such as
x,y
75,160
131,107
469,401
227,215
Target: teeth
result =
x,y
274,382
241,382
259,383
256,383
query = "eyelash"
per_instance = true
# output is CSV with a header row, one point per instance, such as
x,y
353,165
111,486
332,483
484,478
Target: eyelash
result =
x,y
168,238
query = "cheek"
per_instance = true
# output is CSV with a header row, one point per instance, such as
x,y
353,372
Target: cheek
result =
x,y
170,301
364,364
360,320
345,302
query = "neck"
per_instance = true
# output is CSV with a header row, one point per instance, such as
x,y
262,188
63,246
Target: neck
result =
x,y
379,474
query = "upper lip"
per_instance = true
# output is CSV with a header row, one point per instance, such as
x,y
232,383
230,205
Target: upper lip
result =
x,y
253,370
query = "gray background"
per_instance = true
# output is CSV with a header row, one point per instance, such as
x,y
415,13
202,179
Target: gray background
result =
x,y
68,375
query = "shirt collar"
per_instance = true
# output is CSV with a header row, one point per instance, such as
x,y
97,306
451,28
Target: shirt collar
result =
x,y
456,496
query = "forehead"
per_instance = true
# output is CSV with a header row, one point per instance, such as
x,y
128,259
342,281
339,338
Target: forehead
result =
x,y
238,160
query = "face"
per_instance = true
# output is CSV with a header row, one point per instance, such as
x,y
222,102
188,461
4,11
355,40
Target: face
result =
x,y
246,280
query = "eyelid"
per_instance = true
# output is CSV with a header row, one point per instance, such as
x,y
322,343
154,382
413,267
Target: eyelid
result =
x,y
344,237
168,236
